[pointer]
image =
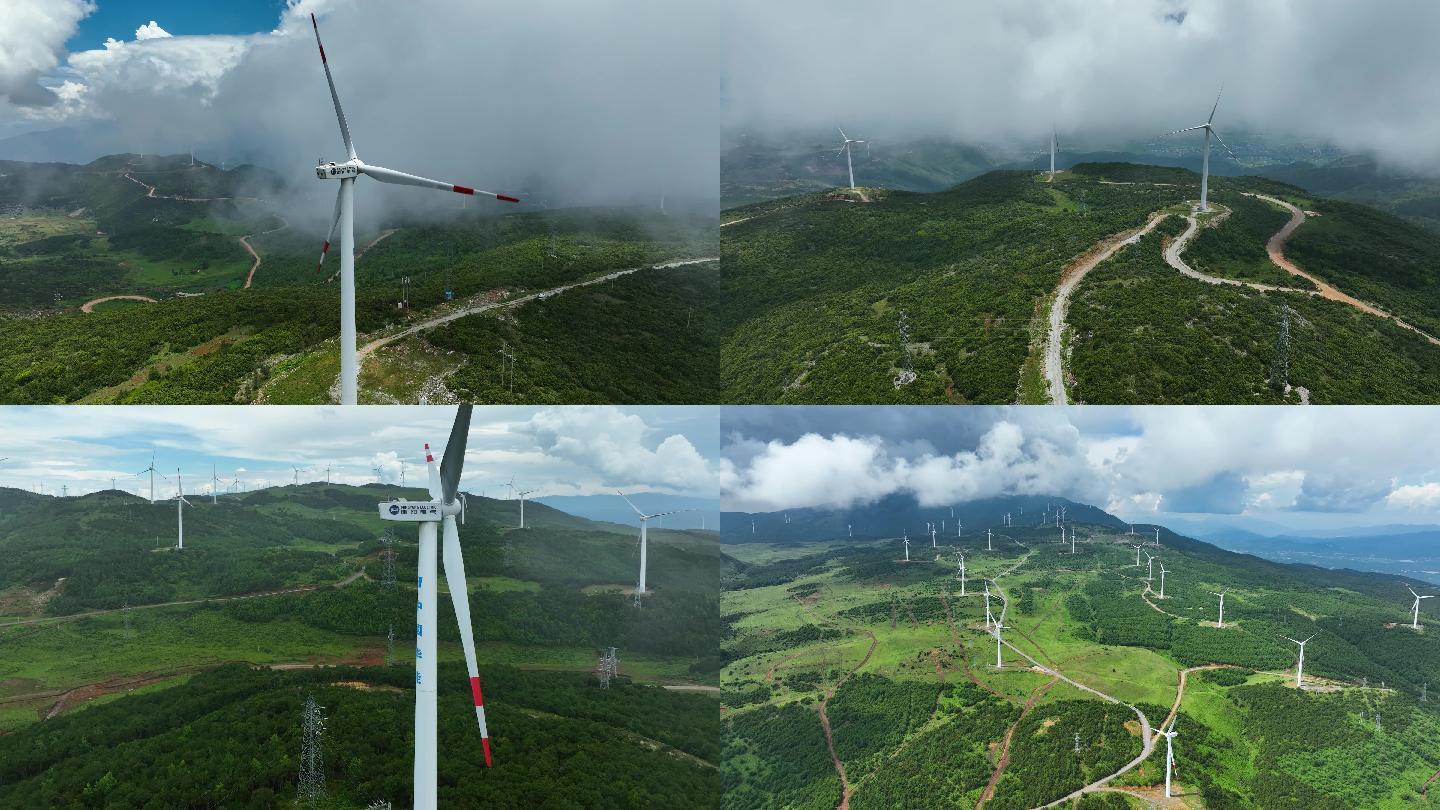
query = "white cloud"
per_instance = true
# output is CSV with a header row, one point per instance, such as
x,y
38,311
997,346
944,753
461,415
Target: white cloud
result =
x,y
614,444
32,42
1134,461
151,31
1415,496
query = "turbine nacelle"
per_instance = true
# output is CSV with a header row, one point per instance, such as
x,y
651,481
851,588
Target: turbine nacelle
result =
x,y
338,171
420,511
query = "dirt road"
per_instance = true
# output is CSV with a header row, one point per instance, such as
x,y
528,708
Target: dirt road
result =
x,y
89,306
474,307
1276,248
1070,279
245,243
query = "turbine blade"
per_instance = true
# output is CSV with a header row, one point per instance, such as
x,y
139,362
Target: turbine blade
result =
x,y
632,505
843,136
1222,143
1187,129
454,462
460,599
433,479
385,175
1217,105
672,512
334,96
334,223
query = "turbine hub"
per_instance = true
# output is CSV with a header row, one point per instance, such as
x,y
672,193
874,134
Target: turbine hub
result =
x,y
338,171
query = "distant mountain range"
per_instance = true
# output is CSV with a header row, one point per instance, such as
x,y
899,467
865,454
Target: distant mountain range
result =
x,y
895,515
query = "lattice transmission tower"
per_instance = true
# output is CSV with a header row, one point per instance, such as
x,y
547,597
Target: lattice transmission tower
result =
x,y
311,789
608,667
907,367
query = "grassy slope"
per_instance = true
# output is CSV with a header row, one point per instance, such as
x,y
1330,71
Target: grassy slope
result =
x,y
1233,742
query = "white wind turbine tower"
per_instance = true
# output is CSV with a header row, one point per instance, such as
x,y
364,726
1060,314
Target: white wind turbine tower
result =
x,y
1415,622
644,540
1169,754
1205,162
998,627
1221,621
1150,567
988,617
445,504
523,493
932,536
907,547
180,504
214,485
988,535
1300,665
1054,145
962,573
299,470
151,469
1157,537
1072,539
347,173
1163,572
1137,553
845,147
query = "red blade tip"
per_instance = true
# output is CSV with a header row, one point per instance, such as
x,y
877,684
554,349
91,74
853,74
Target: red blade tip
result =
x,y
485,742
507,199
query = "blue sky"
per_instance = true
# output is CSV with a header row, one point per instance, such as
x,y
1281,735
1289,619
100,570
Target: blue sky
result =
x,y
555,451
1296,467
118,19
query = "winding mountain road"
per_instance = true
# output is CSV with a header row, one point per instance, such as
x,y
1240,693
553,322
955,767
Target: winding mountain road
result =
x,y
474,307
89,306
1070,279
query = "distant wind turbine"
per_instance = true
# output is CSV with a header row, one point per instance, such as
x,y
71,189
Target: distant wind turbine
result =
x,y
644,540
1415,622
1137,554
347,173
1054,145
1205,162
845,147
1221,621
1300,665
151,470
1163,572
522,494
180,504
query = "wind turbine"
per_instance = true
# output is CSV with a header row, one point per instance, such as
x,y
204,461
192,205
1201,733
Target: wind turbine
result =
x,y
151,469
1072,539
845,147
932,536
1169,754
347,173
1054,145
644,540
214,485
998,627
1415,623
1300,666
1163,572
523,493
299,470
988,546
1205,162
1221,621
180,504
1157,537
1150,566
907,548
444,505
1137,553
989,619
